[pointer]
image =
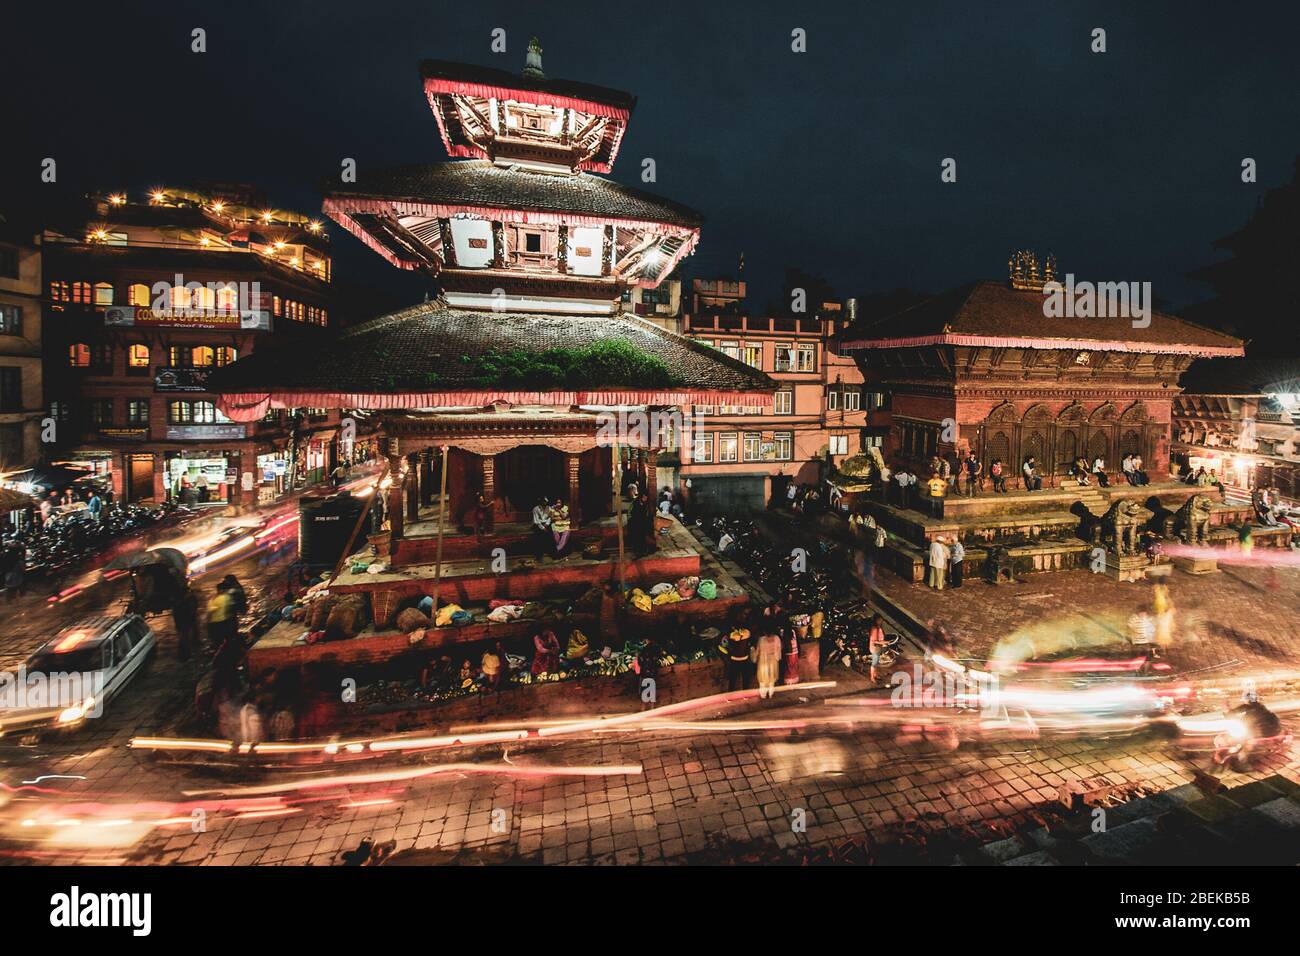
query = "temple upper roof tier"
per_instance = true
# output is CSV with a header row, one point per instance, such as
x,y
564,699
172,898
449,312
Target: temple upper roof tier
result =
x,y
504,117
472,221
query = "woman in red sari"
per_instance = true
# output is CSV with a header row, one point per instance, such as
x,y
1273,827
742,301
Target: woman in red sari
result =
x,y
546,657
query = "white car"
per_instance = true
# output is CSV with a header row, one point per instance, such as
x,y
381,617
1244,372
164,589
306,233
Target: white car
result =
x,y
74,675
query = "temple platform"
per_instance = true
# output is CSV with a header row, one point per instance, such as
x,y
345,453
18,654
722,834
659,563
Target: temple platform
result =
x,y
552,587
1042,530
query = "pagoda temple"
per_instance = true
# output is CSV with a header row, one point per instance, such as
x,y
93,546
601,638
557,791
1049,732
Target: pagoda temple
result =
x,y
993,369
503,382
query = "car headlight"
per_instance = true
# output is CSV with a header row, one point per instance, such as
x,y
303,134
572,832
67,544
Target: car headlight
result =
x,y
73,714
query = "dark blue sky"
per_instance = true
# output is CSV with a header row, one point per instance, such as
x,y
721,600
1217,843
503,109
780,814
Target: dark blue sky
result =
x,y
1125,164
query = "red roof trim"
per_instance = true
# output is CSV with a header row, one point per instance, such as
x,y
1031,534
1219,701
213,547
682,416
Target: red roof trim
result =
x,y
437,85
338,204
250,407
1096,345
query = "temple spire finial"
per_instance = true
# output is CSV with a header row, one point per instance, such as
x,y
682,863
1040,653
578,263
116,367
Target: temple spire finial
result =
x,y
533,61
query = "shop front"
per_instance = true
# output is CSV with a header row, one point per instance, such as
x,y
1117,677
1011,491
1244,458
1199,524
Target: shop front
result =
x,y
200,476
271,476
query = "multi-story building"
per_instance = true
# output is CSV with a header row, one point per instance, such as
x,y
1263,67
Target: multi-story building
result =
x,y
739,457
21,398
1240,418
144,299
661,305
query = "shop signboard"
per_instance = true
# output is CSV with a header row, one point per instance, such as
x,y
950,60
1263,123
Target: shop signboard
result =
x,y
123,434
204,432
169,379
258,320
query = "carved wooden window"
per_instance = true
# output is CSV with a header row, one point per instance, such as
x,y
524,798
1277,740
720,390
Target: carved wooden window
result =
x,y
1098,447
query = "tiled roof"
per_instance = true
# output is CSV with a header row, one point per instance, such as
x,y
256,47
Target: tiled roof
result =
x,y
420,349
489,76
995,311
475,182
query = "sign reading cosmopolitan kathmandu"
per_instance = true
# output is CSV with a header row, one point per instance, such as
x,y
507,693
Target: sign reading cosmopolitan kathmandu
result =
x,y
191,432
258,320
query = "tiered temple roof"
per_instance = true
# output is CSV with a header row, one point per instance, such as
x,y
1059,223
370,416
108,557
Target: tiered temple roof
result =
x,y
533,255
992,314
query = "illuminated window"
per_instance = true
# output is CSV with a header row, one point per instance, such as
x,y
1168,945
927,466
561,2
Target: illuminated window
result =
x,y
228,299
205,413
839,444
103,293
180,413
753,356
137,411
784,358
180,297
137,356
81,293
205,298
79,355
138,294
805,358
60,292
276,305
727,446
703,450
224,355
178,356
202,356
753,446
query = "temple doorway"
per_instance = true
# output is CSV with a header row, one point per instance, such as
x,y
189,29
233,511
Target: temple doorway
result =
x,y
525,473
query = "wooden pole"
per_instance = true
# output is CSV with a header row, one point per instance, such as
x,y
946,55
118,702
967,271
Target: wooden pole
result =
x,y
356,528
442,512
618,515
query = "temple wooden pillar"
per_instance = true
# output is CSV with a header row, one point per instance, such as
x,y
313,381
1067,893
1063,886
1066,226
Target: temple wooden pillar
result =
x,y
490,477
396,524
412,487
427,483
651,476
572,462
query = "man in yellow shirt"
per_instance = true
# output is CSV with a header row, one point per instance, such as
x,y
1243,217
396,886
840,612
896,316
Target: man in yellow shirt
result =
x,y
938,488
222,618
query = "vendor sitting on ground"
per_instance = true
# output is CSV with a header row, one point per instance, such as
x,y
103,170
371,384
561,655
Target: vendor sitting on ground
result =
x,y
546,656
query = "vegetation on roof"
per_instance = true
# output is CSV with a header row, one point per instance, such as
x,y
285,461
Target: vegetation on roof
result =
x,y
603,362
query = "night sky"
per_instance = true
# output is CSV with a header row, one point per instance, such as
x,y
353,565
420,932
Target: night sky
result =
x,y
1125,164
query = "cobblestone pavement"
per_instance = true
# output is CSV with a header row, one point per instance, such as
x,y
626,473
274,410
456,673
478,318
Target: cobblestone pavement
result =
x,y
700,796
1240,621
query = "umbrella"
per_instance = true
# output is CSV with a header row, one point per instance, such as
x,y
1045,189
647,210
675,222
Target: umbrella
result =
x,y
11,500
51,477
144,559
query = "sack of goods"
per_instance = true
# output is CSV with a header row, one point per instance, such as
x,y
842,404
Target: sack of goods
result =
x,y
412,619
578,646
708,589
667,597
660,588
640,600
444,614
505,612
461,618
346,618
